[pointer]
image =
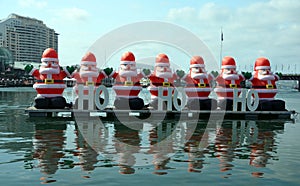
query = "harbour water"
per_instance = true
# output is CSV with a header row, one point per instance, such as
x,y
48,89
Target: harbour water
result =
x,y
92,152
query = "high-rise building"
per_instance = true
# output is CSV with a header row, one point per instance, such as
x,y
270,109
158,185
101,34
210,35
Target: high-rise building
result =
x,y
26,38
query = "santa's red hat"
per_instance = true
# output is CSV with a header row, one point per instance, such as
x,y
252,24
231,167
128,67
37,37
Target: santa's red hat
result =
x,y
127,58
49,55
197,61
262,64
88,59
162,60
228,62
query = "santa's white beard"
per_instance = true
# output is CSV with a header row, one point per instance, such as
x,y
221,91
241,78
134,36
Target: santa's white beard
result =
x,y
265,77
88,73
163,74
198,75
128,73
230,76
44,70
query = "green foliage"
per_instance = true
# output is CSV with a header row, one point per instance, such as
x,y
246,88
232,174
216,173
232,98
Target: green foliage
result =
x,y
247,75
28,68
214,73
180,73
146,72
70,69
108,71
279,74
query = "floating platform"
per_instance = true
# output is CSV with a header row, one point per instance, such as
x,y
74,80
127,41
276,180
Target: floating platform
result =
x,y
111,114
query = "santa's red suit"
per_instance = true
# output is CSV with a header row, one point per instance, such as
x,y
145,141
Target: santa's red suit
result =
x,y
127,80
263,80
88,74
228,79
49,77
162,76
198,80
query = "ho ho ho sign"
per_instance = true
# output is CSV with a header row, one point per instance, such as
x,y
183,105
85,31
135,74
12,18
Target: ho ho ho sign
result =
x,y
247,97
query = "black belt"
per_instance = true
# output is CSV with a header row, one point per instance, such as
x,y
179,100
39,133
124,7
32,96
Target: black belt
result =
x,y
265,87
164,84
127,83
89,83
230,86
50,81
200,85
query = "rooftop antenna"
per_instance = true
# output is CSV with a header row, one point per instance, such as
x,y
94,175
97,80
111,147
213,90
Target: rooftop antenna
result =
x,y
221,47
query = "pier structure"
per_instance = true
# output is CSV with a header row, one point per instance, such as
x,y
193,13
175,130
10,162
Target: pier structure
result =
x,y
291,77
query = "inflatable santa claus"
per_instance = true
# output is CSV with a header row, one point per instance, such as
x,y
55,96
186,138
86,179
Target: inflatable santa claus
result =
x,y
227,81
263,81
49,85
88,74
198,86
127,84
163,77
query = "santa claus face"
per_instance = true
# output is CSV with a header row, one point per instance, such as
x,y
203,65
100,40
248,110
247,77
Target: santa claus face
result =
x,y
49,67
88,70
230,74
163,71
198,72
265,74
128,70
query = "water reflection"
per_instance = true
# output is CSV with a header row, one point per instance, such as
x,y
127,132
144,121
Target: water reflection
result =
x,y
87,156
253,141
127,144
48,143
161,140
196,146
161,147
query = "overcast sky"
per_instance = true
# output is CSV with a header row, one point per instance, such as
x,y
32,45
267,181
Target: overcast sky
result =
x,y
251,29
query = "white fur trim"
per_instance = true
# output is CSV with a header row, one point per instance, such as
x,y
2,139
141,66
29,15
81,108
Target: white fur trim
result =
x,y
105,75
197,65
40,85
67,72
162,64
152,88
225,89
127,96
127,62
111,75
262,68
228,66
49,95
32,71
88,63
49,59
124,87
266,91
197,98
196,89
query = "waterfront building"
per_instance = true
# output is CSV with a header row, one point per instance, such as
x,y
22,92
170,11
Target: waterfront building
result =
x,y
26,38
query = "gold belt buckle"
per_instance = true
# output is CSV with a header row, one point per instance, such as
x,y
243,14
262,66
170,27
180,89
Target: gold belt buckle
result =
x,y
166,84
201,85
269,86
89,83
232,85
128,83
49,81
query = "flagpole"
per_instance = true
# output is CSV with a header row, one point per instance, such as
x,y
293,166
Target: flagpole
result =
x,y
221,47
